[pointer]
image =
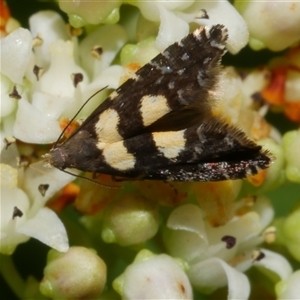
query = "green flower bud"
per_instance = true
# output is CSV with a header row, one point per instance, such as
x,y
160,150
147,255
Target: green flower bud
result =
x,y
76,274
132,219
291,146
289,288
289,229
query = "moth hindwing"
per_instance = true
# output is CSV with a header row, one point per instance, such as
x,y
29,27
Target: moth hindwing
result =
x,y
158,125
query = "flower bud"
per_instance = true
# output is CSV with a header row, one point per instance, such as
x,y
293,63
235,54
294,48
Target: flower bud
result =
x,y
153,277
92,12
271,24
131,219
289,229
77,274
289,288
291,146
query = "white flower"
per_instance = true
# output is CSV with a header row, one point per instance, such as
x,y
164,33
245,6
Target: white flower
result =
x,y
174,18
8,104
272,24
218,256
23,211
153,277
43,99
15,54
50,92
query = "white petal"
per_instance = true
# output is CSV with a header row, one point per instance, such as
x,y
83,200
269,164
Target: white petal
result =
x,y
8,104
9,237
111,38
46,227
8,176
9,199
15,54
49,105
6,130
9,155
150,9
159,277
186,245
213,273
37,174
57,79
171,28
32,126
109,77
49,26
188,217
242,229
275,263
265,210
222,12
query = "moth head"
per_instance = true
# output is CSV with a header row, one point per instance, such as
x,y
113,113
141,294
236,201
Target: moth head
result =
x,y
56,158
76,152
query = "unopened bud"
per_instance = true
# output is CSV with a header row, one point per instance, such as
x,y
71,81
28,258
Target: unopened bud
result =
x,y
76,274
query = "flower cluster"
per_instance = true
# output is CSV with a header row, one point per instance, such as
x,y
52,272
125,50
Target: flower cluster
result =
x,y
154,240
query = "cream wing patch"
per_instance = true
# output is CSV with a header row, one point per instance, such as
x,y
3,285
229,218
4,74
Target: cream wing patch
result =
x,y
113,95
117,156
153,108
169,143
107,127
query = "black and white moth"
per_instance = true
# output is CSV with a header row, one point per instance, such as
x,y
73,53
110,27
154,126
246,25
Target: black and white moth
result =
x,y
159,125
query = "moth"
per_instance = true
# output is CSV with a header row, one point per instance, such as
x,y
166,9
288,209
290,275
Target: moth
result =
x,y
159,124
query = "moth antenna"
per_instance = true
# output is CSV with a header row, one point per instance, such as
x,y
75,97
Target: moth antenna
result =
x,y
80,109
36,169
91,180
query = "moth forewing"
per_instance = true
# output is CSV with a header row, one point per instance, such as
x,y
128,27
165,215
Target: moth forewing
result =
x,y
159,124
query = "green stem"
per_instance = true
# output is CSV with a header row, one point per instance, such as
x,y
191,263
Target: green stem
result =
x,y
12,276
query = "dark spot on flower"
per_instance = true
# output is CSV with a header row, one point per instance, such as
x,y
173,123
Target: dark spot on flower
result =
x,y
77,77
257,255
8,141
17,212
257,98
97,51
202,14
14,94
181,288
229,240
38,71
43,189
243,74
